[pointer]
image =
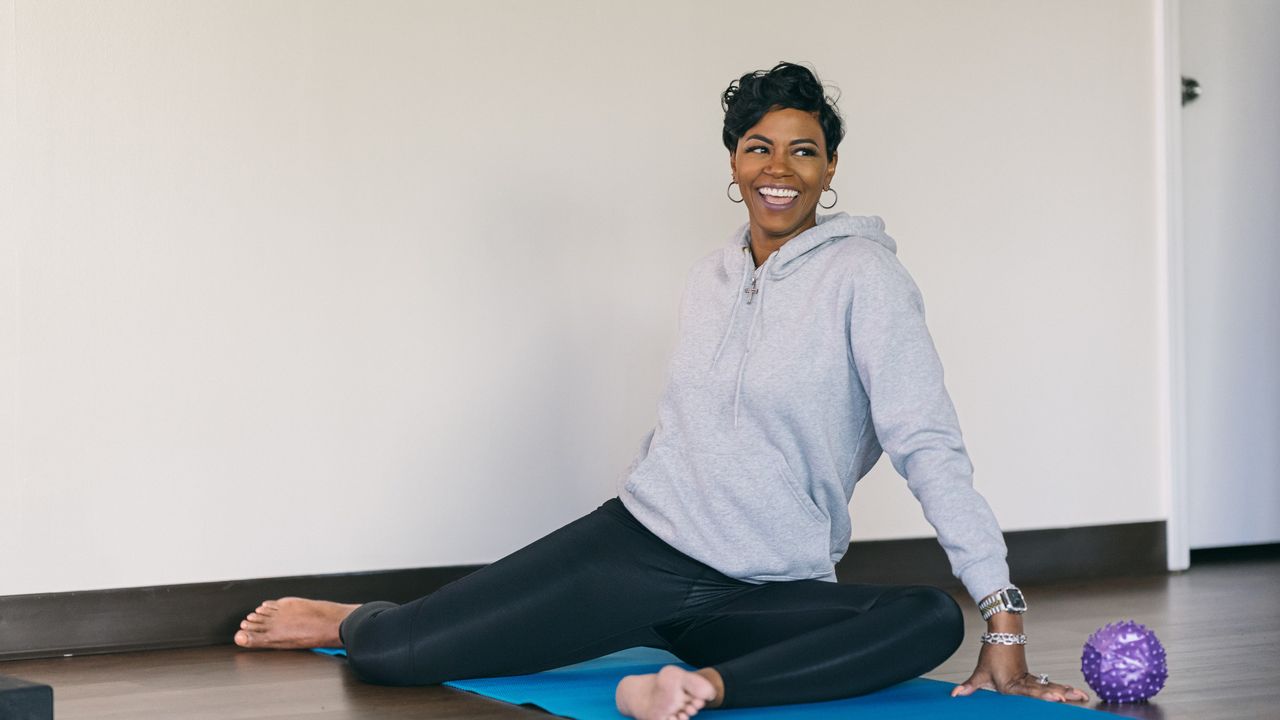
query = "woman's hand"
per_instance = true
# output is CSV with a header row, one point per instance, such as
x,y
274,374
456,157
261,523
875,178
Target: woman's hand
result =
x,y
1003,668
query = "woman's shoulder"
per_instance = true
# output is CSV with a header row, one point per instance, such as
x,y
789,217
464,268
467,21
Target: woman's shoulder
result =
x,y
871,266
858,256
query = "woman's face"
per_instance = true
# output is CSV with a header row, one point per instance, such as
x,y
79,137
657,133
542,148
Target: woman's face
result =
x,y
781,167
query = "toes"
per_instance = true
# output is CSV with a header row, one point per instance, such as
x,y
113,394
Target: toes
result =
x,y
268,608
243,639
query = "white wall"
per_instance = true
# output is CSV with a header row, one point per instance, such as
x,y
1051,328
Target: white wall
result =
x,y
304,287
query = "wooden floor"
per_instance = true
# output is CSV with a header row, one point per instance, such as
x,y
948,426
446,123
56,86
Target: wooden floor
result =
x,y
1220,623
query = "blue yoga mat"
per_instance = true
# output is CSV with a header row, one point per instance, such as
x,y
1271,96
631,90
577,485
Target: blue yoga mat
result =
x,y
585,692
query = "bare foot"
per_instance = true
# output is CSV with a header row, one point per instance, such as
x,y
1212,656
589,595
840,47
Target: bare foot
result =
x,y
672,694
292,624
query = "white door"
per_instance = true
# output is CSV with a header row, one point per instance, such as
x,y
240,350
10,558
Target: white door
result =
x,y
1231,203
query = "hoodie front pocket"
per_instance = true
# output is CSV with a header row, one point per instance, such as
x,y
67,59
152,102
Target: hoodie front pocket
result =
x,y
745,515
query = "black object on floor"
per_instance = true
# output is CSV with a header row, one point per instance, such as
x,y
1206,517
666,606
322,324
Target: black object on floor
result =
x,y
22,700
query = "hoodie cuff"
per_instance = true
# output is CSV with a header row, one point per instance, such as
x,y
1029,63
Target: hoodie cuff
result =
x,y
985,577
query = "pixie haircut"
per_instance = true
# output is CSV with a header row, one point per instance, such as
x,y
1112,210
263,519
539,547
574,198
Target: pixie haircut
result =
x,y
787,85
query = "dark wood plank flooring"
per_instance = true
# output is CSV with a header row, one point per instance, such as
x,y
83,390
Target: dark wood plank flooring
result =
x,y
1219,621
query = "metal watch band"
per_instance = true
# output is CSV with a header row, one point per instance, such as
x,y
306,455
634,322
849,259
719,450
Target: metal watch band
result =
x,y
1004,639
1008,599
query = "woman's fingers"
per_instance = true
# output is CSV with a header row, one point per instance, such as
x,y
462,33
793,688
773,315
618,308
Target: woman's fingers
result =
x,y
977,681
1075,694
1031,686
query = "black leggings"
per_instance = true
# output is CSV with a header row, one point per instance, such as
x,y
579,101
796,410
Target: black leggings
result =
x,y
604,583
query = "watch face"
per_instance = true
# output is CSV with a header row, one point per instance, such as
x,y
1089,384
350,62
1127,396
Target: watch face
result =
x,y
1016,601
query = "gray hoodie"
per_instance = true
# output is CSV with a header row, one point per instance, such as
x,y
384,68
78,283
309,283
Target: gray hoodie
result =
x,y
786,382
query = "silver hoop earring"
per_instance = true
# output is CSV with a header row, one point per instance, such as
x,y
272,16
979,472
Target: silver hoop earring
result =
x,y
730,194
833,202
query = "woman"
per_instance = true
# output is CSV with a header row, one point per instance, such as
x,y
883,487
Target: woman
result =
x,y
802,353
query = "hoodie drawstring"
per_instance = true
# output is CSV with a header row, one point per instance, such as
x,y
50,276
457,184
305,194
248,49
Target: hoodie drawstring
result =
x,y
733,314
756,315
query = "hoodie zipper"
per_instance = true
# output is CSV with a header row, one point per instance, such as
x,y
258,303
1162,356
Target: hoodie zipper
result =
x,y
751,291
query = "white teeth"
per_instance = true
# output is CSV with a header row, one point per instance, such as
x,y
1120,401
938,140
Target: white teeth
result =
x,y
779,192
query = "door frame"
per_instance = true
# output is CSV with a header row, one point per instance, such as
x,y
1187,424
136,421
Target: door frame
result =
x,y
1171,282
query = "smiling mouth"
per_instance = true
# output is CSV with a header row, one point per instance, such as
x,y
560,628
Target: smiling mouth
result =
x,y
777,198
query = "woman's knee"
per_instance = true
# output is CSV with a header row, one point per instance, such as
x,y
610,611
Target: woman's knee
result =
x,y
379,650
941,614
950,620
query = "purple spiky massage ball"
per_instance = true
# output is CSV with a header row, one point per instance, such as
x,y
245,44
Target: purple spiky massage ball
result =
x,y
1124,662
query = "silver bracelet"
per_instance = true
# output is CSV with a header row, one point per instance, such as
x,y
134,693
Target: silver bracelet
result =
x,y
1004,639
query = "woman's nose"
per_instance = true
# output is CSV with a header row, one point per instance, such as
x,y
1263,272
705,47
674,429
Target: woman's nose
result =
x,y
779,164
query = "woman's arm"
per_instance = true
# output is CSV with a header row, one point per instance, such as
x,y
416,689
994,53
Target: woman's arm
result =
x,y
917,426
914,419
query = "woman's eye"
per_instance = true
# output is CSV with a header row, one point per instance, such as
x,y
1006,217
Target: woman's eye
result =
x,y
758,149
807,152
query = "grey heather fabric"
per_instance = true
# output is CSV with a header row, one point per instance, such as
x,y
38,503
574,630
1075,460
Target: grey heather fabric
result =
x,y
778,401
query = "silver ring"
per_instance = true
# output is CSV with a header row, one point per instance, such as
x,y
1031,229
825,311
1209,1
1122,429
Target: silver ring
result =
x,y
1042,678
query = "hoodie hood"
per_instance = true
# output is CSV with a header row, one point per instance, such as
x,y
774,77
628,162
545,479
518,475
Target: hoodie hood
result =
x,y
796,251
786,260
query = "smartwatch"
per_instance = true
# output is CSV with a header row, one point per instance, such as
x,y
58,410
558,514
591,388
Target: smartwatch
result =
x,y
1007,599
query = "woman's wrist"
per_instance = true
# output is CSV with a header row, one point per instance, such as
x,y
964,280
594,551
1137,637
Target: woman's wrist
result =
x,y
1005,622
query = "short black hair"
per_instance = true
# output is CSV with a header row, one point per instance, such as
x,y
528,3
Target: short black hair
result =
x,y
787,85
